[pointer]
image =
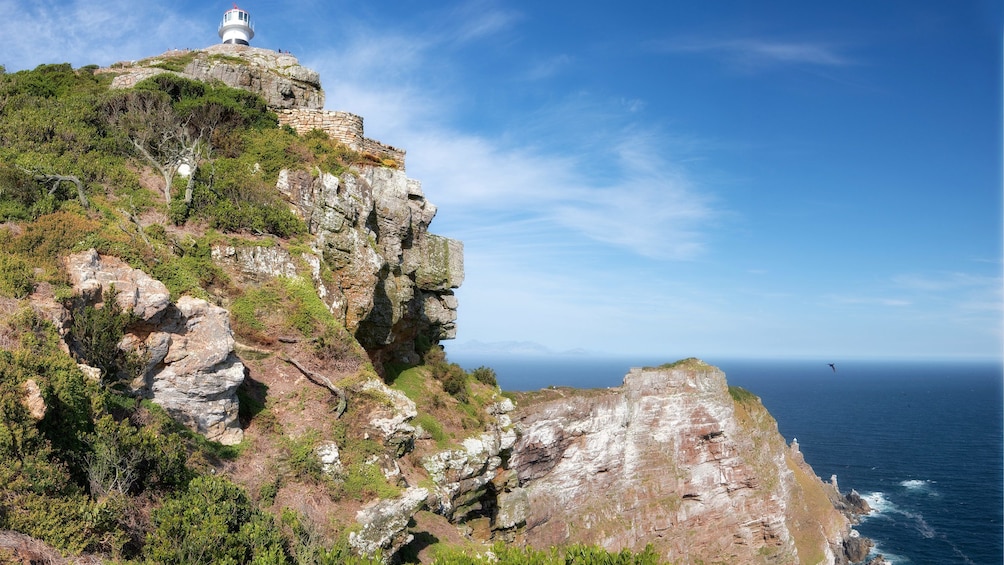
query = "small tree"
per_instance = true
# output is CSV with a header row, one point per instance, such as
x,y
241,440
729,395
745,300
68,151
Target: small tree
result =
x,y
97,332
158,134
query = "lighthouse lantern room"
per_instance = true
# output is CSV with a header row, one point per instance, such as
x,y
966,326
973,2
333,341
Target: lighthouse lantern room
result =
x,y
236,26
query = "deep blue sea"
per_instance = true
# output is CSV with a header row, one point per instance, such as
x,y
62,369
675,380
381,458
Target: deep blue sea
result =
x,y
921,441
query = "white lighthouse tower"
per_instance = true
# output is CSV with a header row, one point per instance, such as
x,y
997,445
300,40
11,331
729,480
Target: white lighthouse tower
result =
x,y
236,26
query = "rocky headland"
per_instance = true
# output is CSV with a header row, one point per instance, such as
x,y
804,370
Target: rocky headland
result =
x,y
674,459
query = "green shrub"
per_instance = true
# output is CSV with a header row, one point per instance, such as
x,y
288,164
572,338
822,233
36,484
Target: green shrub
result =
x,y
740,394
96,333
213,521
572,555
53,235
485,375
452,376
125,459
301,458
17,278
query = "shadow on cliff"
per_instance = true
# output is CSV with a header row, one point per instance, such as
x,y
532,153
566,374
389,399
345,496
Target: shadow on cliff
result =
x,y
252,395
411,553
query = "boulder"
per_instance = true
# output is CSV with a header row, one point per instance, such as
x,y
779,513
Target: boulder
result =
x,y
384,524
190,365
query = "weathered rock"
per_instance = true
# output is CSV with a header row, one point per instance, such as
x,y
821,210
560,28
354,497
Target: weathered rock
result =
x,y
669,459
256,262
513,507
393,279
92,373
197,377
857,547
328,454
91,275
276,77
856,504
191,369
390,418
33,399
465,478
384,524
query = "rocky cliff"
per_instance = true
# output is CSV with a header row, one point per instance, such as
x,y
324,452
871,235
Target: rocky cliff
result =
x,y
277,77
672,459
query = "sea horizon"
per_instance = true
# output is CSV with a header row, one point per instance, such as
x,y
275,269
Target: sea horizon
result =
x,y
921,439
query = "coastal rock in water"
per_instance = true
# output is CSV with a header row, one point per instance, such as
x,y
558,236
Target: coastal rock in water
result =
x,y
670,459
191,369
856,547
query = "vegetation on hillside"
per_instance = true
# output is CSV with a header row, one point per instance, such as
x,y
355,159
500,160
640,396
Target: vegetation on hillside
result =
x,y
157,175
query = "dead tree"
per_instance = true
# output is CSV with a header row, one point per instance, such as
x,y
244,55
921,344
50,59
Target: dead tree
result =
x,y
53,182
320,379
163,138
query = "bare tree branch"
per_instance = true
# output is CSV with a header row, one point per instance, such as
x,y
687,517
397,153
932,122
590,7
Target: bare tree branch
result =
x,y
320,379
56,180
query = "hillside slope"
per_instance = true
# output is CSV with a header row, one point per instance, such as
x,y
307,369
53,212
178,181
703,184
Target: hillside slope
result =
x,y
219,343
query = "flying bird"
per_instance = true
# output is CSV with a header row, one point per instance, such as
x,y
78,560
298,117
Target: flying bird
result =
x,y
832,366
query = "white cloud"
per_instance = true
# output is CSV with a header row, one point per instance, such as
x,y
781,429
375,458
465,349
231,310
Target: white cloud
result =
x,y
579,169
481,19
753,54
81,32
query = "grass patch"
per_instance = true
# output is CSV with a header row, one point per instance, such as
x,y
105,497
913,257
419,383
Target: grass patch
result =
x,y
176,63
411,382
692,363
431,425
740,394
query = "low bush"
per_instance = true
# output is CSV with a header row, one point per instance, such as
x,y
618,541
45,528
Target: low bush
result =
x,y
96,333
213,521
17,278
485,375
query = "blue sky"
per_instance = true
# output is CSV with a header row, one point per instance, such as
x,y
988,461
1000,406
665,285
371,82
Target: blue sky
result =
x,y
659,179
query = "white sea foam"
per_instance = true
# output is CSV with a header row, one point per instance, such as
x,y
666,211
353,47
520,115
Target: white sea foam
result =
x,y
917,485
890,558
879,503
884,508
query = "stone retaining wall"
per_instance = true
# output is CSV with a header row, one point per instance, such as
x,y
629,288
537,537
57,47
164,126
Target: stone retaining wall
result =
x,y
341,126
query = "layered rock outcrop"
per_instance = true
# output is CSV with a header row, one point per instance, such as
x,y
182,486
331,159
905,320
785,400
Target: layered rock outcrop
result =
x,y
187,348
391,280
277,77
671,459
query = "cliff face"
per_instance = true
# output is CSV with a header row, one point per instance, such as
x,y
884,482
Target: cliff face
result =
x,y
671,459
277,77
372,259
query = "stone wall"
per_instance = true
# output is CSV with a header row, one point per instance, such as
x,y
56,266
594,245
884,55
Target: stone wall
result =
x,y
341,126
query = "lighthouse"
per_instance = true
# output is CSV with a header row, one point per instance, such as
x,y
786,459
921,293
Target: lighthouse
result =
x,y
236,27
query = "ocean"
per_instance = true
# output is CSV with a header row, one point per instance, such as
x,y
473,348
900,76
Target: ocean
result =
x,y
922,442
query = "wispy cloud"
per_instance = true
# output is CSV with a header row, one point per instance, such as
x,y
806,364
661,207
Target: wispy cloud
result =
x,y
481,19
947,295
752,54
579,170
82,32
547,68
